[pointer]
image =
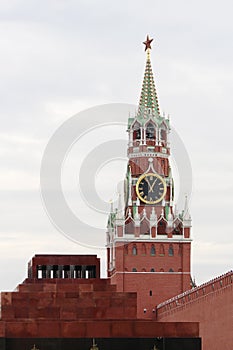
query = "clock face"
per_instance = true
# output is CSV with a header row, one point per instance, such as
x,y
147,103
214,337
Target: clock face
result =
x,y
151,188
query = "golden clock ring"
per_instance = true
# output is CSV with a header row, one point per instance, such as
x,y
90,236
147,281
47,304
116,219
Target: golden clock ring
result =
x,y
144,197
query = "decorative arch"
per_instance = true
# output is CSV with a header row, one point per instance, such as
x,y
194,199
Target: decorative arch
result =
x,y
144,227
137,131
152,270
164,125
150,131
163,134
129,226
178,227
171,270
161,270
161,228
134,269
143,269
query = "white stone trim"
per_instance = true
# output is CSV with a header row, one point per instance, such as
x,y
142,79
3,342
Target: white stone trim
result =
x,y
149,239
147,154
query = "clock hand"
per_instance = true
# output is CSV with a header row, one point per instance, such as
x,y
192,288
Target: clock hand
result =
x,y
148,183
152,186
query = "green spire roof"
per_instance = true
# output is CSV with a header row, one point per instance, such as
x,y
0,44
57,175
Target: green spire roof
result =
x,y
148,104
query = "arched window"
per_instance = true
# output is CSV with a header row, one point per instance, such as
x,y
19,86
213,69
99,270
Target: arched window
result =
x,y
161,229
170,250
150,131
179,270
143,270
152,270
152,250
138,134
171,270
134,269
134,250
161,250
163,135
143,249
129,226
178,227
144,227
161,270
136,131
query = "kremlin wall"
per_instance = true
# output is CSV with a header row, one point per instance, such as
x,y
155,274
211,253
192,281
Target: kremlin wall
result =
x,y
210,304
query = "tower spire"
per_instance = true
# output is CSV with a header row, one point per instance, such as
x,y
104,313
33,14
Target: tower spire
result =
x,y
148,104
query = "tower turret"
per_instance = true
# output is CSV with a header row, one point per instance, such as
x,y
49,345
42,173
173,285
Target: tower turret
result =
x,y
149,244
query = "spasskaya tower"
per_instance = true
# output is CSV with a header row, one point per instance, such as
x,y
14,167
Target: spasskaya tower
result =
x,y
148,242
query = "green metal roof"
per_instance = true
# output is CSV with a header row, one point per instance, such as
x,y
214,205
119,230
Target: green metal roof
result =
x,y
148,105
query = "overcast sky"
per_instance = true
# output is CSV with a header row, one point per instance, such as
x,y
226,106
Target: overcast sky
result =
x,y
60,57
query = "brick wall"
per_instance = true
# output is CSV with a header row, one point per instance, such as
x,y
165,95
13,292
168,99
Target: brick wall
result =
x,y
152,287
211,304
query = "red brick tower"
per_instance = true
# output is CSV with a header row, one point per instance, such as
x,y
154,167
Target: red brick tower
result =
x,y
148,243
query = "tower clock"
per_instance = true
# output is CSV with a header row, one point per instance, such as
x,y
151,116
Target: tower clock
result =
x,y
151,188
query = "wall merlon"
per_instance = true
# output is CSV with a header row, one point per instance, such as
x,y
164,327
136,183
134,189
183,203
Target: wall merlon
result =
x,y
209,288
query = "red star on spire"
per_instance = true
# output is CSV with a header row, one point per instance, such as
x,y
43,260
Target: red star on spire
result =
x,y
148,42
